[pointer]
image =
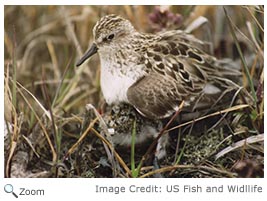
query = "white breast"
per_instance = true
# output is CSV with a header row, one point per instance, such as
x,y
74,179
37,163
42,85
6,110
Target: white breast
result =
x,y
118,74
114,85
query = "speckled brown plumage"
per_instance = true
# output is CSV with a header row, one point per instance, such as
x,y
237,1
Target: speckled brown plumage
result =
x,y
156,72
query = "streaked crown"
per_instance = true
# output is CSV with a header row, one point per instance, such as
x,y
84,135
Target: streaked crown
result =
x,y
110,28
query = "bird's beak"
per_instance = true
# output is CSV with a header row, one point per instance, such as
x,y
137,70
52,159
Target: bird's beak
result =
x,y
92,50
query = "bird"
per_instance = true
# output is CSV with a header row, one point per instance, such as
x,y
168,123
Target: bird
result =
x,y
156,72
119,121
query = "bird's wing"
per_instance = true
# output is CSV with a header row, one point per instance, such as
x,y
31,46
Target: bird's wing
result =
x,y
154,96
177,70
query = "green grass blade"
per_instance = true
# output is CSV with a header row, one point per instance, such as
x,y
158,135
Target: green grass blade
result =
x,y
230,23
134,172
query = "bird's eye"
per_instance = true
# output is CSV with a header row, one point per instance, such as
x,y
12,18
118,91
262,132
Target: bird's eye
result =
x,y
110,37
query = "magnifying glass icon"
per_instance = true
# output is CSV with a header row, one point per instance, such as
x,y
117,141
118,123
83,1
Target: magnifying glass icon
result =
x,y
9,189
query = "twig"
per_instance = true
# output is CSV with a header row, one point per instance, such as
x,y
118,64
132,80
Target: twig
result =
x,y
241,143
236,107
162,132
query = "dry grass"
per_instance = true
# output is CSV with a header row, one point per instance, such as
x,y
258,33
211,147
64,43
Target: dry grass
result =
x,y
45,96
